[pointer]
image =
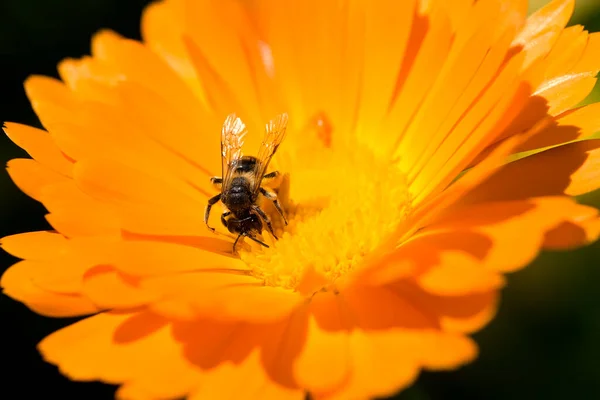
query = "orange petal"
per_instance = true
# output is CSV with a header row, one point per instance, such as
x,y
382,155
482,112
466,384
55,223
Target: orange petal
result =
x,y
386,27
81,129
387,362
51,100
162,29
126,56
138,348
69,207
468,314
291,58
61,276
37,246
459,274
429,49
500,220
571,125
57,264
571,169
95,132
221,97
572,234
457,10
377,308
255,304
18,283
192,136
40,146
566,91
247,379
319,70
483,236
437,205
311,281
447,351
442,263
552,17
589,60
70,224
464,101
474,62
32,177
222,33
328,333
109,289
387,349
458,314
485,121
382,364
566,52
415,327
563,77
144,203
235,353
210,343
90,79
227,295
150,258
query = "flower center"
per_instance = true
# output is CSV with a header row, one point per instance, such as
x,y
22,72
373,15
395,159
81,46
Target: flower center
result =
x,y
338,211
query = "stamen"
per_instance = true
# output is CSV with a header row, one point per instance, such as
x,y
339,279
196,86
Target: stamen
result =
x,y
356,204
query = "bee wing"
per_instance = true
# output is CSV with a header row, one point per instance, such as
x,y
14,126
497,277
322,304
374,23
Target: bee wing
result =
x,y
232,140
274,134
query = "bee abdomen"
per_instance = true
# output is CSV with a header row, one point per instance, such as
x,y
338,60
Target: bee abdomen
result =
x,y
239,194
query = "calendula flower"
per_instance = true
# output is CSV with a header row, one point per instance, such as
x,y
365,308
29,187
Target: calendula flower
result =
x,y
405,200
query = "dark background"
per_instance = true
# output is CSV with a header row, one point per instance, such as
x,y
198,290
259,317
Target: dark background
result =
x,y
545,342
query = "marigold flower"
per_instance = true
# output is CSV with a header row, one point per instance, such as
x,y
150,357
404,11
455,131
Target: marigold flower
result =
x,y
404,213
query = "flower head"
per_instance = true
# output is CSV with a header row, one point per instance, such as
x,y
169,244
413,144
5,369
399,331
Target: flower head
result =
x,y
404,208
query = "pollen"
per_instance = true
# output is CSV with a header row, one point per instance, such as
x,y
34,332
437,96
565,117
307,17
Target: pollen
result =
x,y
337,214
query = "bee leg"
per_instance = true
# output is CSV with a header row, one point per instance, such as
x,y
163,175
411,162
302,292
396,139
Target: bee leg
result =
x,y
271,175
273,197
249,237
256,240
211,202
223,220
265,218
216,181
236,241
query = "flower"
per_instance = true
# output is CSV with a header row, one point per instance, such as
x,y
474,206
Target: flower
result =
x,y
405,199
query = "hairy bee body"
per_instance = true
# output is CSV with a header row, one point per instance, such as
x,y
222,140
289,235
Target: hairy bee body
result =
x,y
241,183
243,223
239,195
239,199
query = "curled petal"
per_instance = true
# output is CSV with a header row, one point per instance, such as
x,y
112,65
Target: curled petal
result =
x,y
18,282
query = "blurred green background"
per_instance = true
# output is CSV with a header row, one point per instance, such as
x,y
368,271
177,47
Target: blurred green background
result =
x,y
544,343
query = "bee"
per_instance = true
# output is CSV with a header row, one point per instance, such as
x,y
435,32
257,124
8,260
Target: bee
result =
x,y
242,178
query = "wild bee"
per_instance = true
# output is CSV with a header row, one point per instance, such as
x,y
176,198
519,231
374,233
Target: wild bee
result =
x,y
242,179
